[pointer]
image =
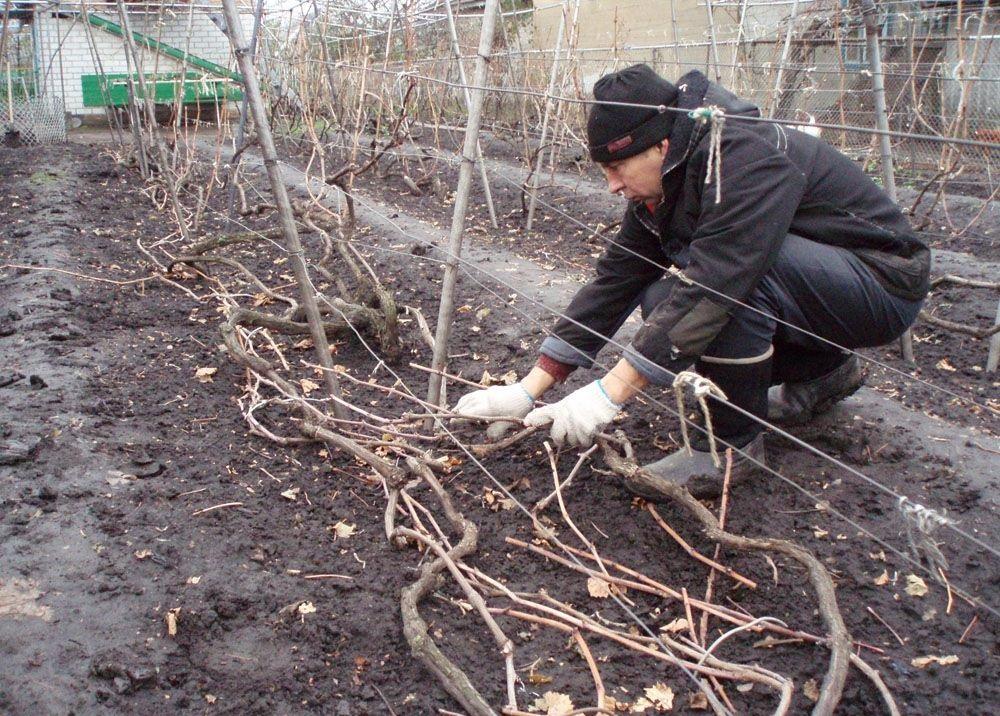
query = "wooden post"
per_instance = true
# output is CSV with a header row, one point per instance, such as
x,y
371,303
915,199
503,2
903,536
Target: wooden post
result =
x,y
994,355
715,46
294,246
870,15
242,126
161,149
468,103
776,95
447,306
133,109
533,191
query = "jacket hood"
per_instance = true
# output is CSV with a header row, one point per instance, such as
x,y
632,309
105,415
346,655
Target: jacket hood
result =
x,y
694,91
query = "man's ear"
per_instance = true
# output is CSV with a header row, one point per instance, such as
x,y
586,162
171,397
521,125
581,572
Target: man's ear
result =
x,y
664,148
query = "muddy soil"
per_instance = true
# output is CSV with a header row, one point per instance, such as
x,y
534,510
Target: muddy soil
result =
x,y
137,504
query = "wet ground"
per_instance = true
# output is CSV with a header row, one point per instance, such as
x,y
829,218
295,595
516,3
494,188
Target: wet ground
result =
x,y
154,555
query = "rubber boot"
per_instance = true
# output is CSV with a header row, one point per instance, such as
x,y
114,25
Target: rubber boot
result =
x,y
745,385
797,403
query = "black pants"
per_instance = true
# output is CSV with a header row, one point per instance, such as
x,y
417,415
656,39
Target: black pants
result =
x,y
812,292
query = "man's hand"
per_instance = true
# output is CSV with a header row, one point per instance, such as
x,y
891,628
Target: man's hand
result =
x,y
498,401
578,417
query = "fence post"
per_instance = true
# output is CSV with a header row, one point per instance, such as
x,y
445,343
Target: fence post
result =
x,y
241,128
446,308
776,95
870,15
296,259
533,191
993,359
715,46
468,103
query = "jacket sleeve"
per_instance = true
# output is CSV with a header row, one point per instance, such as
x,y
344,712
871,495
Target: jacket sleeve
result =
x,y
631,262
733,246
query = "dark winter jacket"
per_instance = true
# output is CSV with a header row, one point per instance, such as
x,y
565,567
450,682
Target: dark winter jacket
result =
x,y
775,181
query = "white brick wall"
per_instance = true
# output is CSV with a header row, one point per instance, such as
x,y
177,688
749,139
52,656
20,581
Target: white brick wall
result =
x,y
66,52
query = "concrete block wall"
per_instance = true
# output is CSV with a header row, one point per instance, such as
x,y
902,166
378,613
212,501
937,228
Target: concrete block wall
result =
x,y
65,51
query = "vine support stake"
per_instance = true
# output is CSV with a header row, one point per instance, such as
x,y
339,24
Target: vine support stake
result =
x,y
870,14
296,258
533,191
241,128
446,312
468,103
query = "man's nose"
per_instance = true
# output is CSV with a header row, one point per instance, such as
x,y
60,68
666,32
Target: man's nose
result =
x,y
615,185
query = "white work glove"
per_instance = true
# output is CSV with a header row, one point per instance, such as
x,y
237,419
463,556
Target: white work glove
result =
x,y
578,417
498,401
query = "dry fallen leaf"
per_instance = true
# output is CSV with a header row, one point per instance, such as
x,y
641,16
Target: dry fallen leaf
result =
x,y
211,698
552,703
915,586
599,588
308,386
204,375
662,696
819,532
142,553
343,530
882,579
537,679
944,364
675,626
291,493
811,690
922,662
193,580
698,701
306,608
171,619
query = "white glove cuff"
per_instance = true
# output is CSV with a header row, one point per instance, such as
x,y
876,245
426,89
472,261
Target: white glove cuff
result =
x,y
607,397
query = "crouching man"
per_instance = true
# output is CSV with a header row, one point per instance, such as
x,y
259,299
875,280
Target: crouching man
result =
x,y
788,253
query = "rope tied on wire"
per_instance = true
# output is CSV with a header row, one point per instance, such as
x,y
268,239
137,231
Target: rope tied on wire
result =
x,y
716,119
702,387
921,523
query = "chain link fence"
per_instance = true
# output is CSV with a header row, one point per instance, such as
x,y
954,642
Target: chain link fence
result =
x,y
33,120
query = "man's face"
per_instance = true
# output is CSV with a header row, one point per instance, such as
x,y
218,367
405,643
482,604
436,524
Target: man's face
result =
x,y
638,177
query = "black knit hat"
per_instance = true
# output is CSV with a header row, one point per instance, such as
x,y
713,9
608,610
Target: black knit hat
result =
x,y
615,132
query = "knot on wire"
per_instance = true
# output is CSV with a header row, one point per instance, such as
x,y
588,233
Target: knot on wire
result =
x,y
716,119
921,523
701,387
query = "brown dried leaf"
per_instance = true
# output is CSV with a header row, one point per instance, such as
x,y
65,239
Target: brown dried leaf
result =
x,y
343,530
598,588
680,624
915,586
662,696
171,619
204,374
308,386
811,690
552,703
698,701
922,662
882,579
